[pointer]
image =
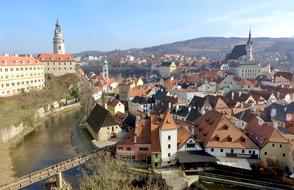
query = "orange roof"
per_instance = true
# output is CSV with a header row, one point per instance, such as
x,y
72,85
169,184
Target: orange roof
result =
x,y
143,131
155,142
183,135
18,61
263,134
139,91
167,121
215,130
55,57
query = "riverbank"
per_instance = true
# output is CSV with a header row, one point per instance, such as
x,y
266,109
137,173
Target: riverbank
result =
x,y
6,166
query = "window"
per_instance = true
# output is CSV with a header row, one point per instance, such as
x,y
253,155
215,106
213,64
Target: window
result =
x,y
128,148
232,151
155,164
212,150
169,137
221,150
273,145
243,151
120,148
168,145
249,151
191,145
280,146
253,152
169,162
168,154
156,155
143,149
265,153
284,155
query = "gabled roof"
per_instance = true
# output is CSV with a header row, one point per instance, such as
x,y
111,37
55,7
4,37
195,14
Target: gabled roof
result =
x,y
167,121
100,117
213,129
183,135
286,75
155,142
143,100
246,116
263,134
237,52
197,102
143,131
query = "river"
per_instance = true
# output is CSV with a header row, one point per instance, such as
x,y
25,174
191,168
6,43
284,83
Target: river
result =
x,y
48,144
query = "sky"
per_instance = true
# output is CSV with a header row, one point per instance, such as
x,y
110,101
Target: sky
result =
x,y
28,25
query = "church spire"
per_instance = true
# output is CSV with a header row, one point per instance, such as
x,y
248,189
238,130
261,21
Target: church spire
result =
x,y
249,47
249,37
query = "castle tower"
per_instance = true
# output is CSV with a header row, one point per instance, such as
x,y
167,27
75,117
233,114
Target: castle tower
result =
x,y
249,52
58,41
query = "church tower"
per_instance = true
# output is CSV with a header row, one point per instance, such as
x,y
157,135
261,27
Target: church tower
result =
x,y
58,41
249,52
105,71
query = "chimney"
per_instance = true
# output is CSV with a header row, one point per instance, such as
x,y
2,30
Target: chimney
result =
x,y
169,105
177,107
135,138
240,93
242,105
285,109
193,131
233,94
189,109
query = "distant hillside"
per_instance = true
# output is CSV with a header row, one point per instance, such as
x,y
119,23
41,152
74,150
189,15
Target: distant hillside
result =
x,y
216,47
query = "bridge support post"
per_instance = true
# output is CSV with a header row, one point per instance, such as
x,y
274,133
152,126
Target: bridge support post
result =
x,y
59,180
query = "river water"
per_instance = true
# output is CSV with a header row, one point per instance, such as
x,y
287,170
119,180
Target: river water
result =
x,y
48,144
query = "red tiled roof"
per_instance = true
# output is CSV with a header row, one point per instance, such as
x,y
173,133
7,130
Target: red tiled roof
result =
x,y
262,134
167,121
155,142
55,57
215,130
18,61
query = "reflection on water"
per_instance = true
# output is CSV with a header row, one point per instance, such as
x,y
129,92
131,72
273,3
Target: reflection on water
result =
x,y
47,145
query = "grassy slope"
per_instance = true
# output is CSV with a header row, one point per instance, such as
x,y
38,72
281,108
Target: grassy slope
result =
x,y
21,107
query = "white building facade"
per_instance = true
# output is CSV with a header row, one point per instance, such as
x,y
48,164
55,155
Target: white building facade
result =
x,y
20,74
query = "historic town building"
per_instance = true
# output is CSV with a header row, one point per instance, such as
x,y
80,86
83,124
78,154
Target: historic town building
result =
x,y
20,74
241,61
58,63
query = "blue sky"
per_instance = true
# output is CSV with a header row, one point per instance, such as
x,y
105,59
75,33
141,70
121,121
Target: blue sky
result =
x,y
28,25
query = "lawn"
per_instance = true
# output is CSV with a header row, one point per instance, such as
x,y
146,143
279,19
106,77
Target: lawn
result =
x,y
22,107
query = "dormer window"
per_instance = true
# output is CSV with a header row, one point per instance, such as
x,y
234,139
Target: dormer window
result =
x,y
216,138
225,127
229,138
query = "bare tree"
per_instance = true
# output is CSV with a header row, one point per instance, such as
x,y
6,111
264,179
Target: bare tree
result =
x,y
107,172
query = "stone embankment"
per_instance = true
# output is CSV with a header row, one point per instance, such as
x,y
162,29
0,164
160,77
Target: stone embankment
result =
x,y
12,135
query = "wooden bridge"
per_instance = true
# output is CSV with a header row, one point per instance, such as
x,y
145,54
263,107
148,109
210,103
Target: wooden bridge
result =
x,y
54,170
